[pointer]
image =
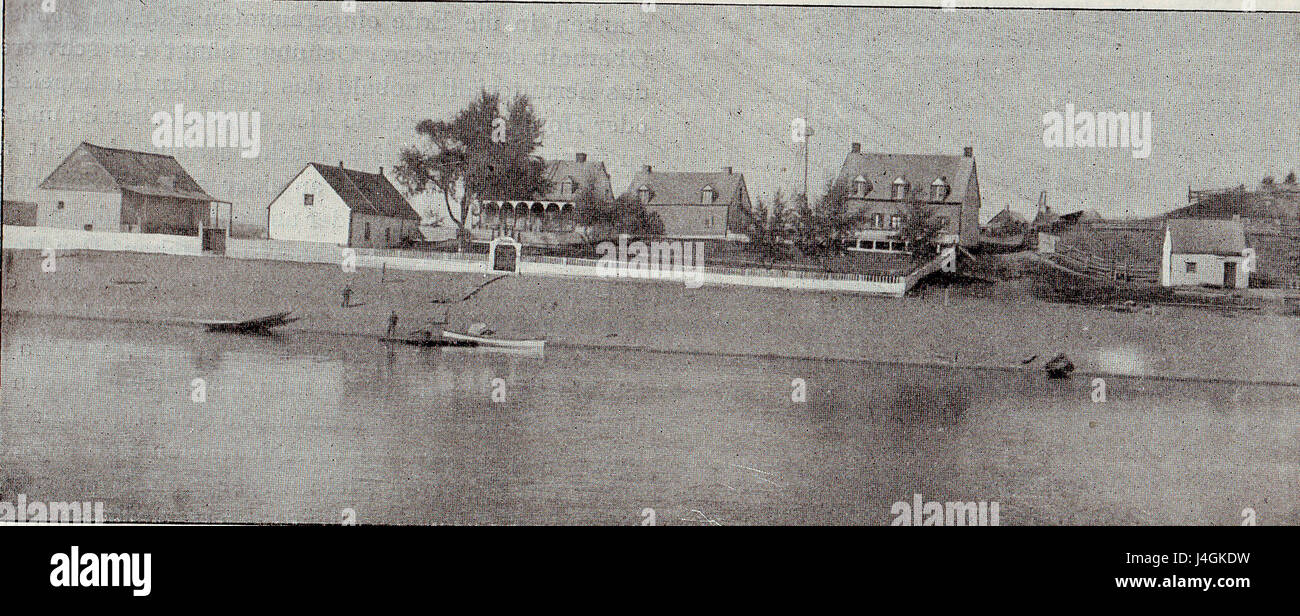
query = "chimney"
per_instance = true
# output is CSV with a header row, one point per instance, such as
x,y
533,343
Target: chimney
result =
x,y
969,152
726,170
340,164
646,168
381,171
856,148
580,157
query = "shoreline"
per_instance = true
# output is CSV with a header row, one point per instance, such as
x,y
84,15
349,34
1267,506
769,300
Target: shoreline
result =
x,y
615,347
988,333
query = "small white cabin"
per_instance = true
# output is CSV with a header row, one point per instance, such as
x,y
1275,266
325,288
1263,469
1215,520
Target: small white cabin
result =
x,y
1205,253
334,205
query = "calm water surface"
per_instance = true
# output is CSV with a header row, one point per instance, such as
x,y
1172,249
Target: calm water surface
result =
x,y
298,427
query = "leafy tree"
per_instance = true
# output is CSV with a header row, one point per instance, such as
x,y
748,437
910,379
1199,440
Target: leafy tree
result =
x,y
921,227
602,218
482,153
1290,177
770,231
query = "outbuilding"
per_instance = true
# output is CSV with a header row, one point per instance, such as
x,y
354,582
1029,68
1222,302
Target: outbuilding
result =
x,y
1200,252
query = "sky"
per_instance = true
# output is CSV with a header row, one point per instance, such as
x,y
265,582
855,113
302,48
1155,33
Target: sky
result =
x,y
682,88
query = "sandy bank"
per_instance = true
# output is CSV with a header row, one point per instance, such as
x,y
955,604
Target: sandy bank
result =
x,y
967,331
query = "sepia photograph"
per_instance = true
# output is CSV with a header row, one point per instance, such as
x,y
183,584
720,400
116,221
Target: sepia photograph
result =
x,y
648,264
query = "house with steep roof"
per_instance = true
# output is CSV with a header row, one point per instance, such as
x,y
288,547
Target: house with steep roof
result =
x,y
111,189
1007,222
693,204
546,219
882,185
335,205
1205,252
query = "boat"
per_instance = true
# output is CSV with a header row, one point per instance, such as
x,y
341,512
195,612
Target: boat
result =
x,y
1059,367
258,325
429,341
500,343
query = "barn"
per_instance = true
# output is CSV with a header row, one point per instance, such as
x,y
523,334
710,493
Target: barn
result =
x,y
109,189
335,205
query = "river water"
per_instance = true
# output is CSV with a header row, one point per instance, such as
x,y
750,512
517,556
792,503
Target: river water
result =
x,y
165,423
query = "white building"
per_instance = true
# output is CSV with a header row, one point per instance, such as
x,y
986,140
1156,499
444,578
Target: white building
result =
x,y
334,205
1205,253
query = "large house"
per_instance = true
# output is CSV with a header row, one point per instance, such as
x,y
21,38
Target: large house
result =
x,y
110,189
881,186
334,205
1201,252
546,219
695,205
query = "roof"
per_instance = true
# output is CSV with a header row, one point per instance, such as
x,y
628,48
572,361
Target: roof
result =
x,y
1008,215
582,172
1206,237
368,193
145,173
918,170
686,187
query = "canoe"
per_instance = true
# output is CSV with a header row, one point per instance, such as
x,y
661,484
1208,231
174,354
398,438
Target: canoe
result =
x,y
259,324
429,342
501,343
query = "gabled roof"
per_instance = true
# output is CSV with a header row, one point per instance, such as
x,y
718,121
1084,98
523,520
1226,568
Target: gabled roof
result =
x,y
918,170
685,187
582,172
155,175
368,193
1009,215
1206,237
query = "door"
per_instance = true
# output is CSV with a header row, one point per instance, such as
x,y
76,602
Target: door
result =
x,y
1230,274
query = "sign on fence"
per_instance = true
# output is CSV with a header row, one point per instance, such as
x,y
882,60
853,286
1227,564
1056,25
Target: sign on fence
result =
x,y
503,255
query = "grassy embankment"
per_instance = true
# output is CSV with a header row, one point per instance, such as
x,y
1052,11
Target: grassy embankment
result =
x,y
997,326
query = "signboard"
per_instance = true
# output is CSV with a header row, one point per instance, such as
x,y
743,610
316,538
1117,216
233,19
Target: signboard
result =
x,y
503,256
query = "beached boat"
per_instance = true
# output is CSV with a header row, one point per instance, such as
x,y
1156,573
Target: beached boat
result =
x,y
500,343
429,341
1059,367
251,326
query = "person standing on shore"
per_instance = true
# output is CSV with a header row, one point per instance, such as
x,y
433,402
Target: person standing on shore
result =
x,y
392,324
347,296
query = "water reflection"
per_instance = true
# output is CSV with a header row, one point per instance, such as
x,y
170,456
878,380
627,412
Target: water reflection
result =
x,y
295,428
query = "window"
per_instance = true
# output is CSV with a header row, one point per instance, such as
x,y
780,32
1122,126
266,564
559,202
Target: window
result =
x,y
861,186
308,198
644,192
895,221
939,189
877,221
386,237
1191,267
899,189
60,205
568,186
367,232
89,227
943,222
706,194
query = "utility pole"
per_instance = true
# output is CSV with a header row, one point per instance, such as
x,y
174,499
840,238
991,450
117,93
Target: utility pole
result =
x,y
807,140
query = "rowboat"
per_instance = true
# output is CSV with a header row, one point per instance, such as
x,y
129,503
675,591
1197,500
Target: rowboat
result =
x,y
1059,367
257,325
429,342
500,343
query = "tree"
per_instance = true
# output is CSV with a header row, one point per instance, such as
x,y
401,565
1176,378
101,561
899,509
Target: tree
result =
x,y
921,227
822,230
483,153
770,231
602,218
1290,178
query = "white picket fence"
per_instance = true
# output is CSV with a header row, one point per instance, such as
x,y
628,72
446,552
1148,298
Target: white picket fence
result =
x,y
40,238
311,252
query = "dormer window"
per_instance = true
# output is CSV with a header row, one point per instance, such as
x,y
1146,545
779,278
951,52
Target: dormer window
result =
x,y
939,189
706,195
899,189
644,193
861,186
568,186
